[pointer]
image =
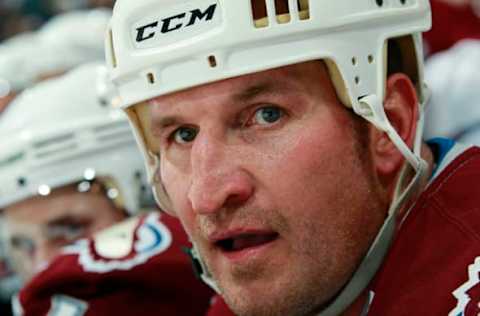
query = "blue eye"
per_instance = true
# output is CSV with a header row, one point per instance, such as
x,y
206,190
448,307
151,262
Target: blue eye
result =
x,y
185,135
268,115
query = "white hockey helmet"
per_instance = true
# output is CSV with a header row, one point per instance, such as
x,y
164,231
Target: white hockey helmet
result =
x,y
154,48
16,71
66,41
62,132
75,37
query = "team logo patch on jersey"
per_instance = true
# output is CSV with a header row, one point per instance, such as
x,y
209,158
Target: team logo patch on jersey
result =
x,y
123,247
468,295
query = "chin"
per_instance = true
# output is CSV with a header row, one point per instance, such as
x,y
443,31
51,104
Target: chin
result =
x,y
268,302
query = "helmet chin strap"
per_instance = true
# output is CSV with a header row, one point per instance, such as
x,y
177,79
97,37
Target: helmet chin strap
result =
x,y
371,108
200,268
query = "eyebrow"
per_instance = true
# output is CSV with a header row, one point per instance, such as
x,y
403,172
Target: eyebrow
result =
x,y
66,221
247,94
254,91
164,122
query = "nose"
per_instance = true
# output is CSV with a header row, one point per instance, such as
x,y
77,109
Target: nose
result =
x,y
218,179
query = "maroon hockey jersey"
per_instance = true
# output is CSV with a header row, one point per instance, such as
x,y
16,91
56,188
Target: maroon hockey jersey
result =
x,y
451,24
219,307
433,266
135,268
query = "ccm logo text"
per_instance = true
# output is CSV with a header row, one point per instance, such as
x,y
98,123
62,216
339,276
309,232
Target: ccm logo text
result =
x,y
175,22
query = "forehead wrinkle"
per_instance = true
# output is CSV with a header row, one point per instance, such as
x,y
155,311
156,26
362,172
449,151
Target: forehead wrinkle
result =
x,y
254,91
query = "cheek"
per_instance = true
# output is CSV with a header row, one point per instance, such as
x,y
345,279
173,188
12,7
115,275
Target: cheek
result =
x,y
174,180
338,205
307,158
176,184
317,167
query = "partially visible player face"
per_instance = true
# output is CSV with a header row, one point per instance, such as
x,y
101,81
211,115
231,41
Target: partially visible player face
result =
x,y
37,228
272,182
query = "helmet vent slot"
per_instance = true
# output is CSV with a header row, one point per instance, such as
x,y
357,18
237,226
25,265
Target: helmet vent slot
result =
x,y
282,11
281,7
56,150
112,132
303,9
110,127
53,142
212,61
265,12
150,78
259,13
119,137
379,3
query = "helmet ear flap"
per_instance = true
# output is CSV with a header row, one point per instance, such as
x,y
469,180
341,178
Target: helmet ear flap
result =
x,y
138,116
400,56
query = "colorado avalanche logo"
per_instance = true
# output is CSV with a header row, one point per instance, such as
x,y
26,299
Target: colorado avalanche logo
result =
x,y
467,295
124,247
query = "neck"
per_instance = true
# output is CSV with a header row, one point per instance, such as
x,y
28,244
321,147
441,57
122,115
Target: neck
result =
x,y
427,155
359,305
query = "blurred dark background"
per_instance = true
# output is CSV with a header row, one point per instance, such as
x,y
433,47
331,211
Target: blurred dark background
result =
x,y
18,16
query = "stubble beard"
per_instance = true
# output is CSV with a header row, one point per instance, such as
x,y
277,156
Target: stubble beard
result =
x,y
288,296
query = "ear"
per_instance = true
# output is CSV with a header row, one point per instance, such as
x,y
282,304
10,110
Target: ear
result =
x,y
401,107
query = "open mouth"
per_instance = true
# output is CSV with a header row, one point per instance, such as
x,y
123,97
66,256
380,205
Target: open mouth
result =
x,y
244,241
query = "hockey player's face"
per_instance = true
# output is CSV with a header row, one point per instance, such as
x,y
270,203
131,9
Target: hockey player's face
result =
x,y
272,182
37,228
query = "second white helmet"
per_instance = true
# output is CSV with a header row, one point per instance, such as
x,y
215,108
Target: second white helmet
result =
x,y
63,131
